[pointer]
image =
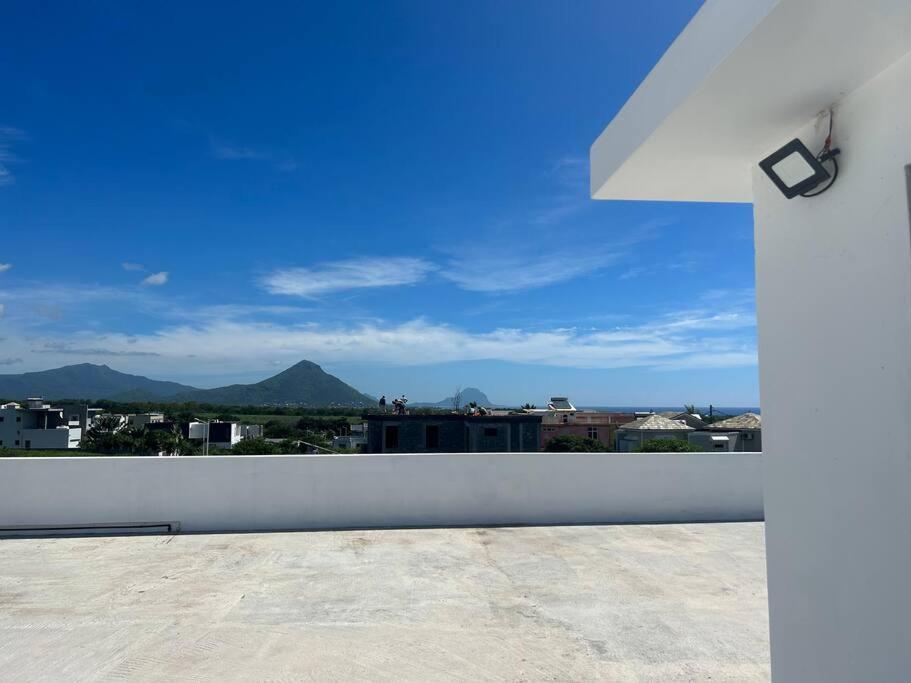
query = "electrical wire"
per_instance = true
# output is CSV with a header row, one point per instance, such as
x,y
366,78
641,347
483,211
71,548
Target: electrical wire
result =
x,y
827,154
827,185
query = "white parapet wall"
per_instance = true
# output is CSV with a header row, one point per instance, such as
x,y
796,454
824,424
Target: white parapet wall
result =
x,y
247,493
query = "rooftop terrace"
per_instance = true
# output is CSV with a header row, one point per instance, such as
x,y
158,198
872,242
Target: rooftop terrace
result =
x,y
635,602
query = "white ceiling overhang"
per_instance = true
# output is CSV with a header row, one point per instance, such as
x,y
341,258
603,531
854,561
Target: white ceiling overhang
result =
x,y
735,84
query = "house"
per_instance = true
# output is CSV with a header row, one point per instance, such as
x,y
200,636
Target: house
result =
x,y
632,435
562,418
80,412
692,419
220,434
37,425
745,430
518,432
142,419
354,440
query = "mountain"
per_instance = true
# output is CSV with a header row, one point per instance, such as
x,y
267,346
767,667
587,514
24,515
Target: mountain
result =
x,y
303,384
468,395
86,381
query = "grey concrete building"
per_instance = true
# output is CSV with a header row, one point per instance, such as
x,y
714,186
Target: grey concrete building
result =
x,y
453,433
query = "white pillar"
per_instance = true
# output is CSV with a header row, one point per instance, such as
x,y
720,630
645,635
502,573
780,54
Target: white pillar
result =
x,y
834,309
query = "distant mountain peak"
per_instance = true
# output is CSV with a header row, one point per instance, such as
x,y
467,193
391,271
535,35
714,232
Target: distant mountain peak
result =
x,y
304,383
469,394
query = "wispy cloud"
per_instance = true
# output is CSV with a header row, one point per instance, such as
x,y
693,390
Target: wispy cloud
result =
x,y
232,152
156,279
10,361
236,152
511,268
5,267
64,348
8,137
510,272
128,266
351,274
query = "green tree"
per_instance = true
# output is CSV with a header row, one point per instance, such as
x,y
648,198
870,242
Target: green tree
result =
x,y
255,447
107,436
668,446
574,444
529,406
278,429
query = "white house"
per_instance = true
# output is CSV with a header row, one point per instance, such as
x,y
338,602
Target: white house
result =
x,y
833,289
223,434
37,425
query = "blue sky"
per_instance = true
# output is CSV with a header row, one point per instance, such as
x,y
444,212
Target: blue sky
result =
x,y
395,190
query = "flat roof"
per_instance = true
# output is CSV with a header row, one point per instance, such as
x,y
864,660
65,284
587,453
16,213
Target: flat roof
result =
x,y
659,602
734,86
516,417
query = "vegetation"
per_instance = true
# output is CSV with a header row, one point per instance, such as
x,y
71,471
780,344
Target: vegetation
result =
x,y
456,400
263,447
48,453
105,436
668,446
574,444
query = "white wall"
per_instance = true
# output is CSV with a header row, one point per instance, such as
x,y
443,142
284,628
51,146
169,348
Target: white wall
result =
x,y
834,309
235,493
51,438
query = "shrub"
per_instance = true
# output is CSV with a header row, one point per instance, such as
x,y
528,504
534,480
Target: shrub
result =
x,y
668,446
574,444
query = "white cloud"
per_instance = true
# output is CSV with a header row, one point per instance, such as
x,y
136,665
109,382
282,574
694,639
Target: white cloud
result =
x,y
230,152
339,276
509,272
684,341
128,266
236,152
506,267
8,136
5,267
156,279
2,310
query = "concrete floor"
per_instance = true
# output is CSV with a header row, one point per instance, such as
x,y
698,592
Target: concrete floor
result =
x,y
656,603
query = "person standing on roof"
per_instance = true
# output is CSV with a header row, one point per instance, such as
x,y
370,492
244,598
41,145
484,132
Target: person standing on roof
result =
x,y
383,403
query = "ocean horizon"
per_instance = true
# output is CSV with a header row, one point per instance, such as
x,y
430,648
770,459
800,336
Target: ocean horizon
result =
x,y
726,410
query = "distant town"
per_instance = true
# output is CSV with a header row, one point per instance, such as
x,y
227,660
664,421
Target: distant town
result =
x,y
133,420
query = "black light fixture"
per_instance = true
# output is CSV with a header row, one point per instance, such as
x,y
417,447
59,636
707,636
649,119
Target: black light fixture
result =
x,y
795,170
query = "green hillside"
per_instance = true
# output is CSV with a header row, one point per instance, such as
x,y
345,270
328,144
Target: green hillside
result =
x,y
305,384
85,381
